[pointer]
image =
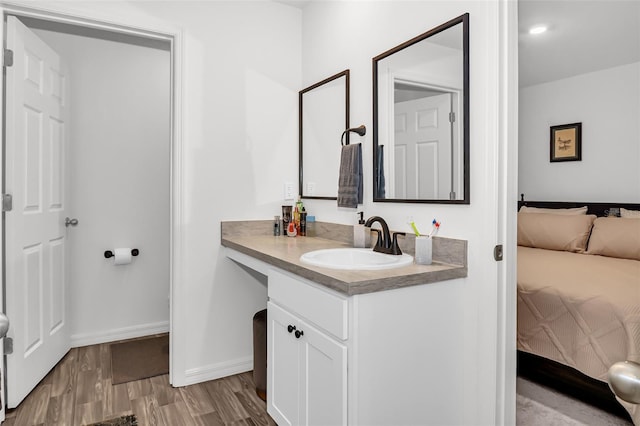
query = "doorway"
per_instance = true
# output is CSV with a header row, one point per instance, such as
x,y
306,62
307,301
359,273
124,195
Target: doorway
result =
x,y
118,167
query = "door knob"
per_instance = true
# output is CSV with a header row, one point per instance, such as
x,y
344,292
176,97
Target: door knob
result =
x,y
69,221
290,328
299,333
4,325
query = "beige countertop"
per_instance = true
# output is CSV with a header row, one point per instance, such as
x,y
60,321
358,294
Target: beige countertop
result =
x,y
284,253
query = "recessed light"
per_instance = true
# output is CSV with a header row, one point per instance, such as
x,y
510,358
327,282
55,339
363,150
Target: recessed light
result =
x,y
538,29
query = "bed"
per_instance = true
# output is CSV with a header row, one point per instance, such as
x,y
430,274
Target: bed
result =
x,y
578,296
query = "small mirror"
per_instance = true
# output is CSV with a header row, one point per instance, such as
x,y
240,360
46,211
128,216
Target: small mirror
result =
x,y
421,118
324,116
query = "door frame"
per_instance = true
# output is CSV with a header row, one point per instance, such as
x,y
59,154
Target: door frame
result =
x,y
100,19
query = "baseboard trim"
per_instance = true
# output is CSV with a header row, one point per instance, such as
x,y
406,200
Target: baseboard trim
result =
x,y
124,333
219,370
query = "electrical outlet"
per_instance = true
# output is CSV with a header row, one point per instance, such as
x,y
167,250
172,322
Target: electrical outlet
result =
x,y
288,191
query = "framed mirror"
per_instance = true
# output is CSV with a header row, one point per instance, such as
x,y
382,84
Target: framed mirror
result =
x,y
421,118
323,117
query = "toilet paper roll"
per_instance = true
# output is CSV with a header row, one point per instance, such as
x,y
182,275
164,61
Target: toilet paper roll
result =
x,y
122,256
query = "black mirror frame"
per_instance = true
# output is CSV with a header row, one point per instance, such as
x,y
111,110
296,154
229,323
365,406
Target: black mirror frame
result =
x,y
464,20
345,74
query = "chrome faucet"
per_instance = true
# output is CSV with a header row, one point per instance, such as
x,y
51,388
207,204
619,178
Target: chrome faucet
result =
x,y
384,243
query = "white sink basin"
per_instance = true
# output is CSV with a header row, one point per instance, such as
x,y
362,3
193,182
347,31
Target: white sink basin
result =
x,y
355,258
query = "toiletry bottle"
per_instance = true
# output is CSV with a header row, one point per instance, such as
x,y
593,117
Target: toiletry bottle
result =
x,y
311,226
303,223
298,209
360,233
276,226
286,218
291,230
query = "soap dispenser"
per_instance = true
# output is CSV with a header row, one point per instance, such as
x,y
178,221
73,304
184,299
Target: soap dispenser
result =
x,y
361,235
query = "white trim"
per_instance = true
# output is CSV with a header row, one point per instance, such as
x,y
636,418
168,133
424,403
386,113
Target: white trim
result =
x,y
505,413
219,370
123,333
165,31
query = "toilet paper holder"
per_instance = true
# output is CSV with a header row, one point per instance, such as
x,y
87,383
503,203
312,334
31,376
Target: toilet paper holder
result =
x,y
109,253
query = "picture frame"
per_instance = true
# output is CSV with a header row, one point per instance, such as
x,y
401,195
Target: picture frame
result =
x,y
566,143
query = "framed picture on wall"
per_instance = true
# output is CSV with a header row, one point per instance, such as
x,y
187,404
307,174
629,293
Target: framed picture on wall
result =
x,y
566,142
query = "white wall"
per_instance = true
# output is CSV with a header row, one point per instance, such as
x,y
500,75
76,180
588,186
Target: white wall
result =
x,y
339,35
118,171
242,74
607,103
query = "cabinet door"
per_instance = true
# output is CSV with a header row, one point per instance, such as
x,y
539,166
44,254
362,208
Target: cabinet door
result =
x,y
323,379
283,367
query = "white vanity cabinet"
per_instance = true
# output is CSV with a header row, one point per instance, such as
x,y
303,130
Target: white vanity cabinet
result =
x,y
307,353
390,355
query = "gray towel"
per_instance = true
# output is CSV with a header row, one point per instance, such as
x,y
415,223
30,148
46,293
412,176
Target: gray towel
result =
x,y
380,181
350,178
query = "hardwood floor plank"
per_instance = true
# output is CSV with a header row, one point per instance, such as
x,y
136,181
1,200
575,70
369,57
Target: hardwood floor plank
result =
x,y
105,359
197,399
209,419
164,392
89,386
64,374
148,411
9,422
87,413
34,410
139,388
177,414
256,407
89,358
120,398
225,401
60,410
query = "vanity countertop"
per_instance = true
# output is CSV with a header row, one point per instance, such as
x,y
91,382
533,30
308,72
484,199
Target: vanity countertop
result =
x,y
284,253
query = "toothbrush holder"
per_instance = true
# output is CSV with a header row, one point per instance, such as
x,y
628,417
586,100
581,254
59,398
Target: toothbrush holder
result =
x,y
424,250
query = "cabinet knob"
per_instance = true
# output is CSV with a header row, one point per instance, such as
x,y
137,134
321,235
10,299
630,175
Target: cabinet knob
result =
x,y
290,328
299,333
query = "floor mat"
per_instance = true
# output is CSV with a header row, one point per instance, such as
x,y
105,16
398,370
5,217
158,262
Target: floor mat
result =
x,y
139,359
120,421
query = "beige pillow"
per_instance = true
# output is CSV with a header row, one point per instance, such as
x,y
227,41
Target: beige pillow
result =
x,y
554,231
615,237
629,214
575,210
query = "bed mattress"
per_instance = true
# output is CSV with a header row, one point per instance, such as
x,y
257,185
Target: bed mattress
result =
x,y
577,309
580,310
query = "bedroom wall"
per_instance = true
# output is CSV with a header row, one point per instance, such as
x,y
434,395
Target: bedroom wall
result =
x,y
607,103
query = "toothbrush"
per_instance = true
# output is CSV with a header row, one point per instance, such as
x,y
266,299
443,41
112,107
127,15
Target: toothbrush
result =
x,y
415,228
435,225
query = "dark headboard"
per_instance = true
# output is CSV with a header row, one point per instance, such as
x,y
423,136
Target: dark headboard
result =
x,y
599,209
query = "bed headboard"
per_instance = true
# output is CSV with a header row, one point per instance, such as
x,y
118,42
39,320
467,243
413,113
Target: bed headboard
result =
x,y
599,209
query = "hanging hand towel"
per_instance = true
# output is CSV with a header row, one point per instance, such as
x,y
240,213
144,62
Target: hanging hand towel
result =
x,y
380,177
350,176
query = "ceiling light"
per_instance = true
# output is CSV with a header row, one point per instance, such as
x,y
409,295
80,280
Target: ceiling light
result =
x,y
538,29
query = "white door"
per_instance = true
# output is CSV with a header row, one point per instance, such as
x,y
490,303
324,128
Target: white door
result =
x,y
36,240
422,148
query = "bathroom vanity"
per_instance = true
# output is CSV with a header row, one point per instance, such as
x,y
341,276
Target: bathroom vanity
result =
x,y
352,347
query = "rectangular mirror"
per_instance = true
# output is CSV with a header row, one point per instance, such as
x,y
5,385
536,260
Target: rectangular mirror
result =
x,y
323,117
421,118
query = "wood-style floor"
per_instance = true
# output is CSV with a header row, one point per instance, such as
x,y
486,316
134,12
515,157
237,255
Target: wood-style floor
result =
x,y
78,391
